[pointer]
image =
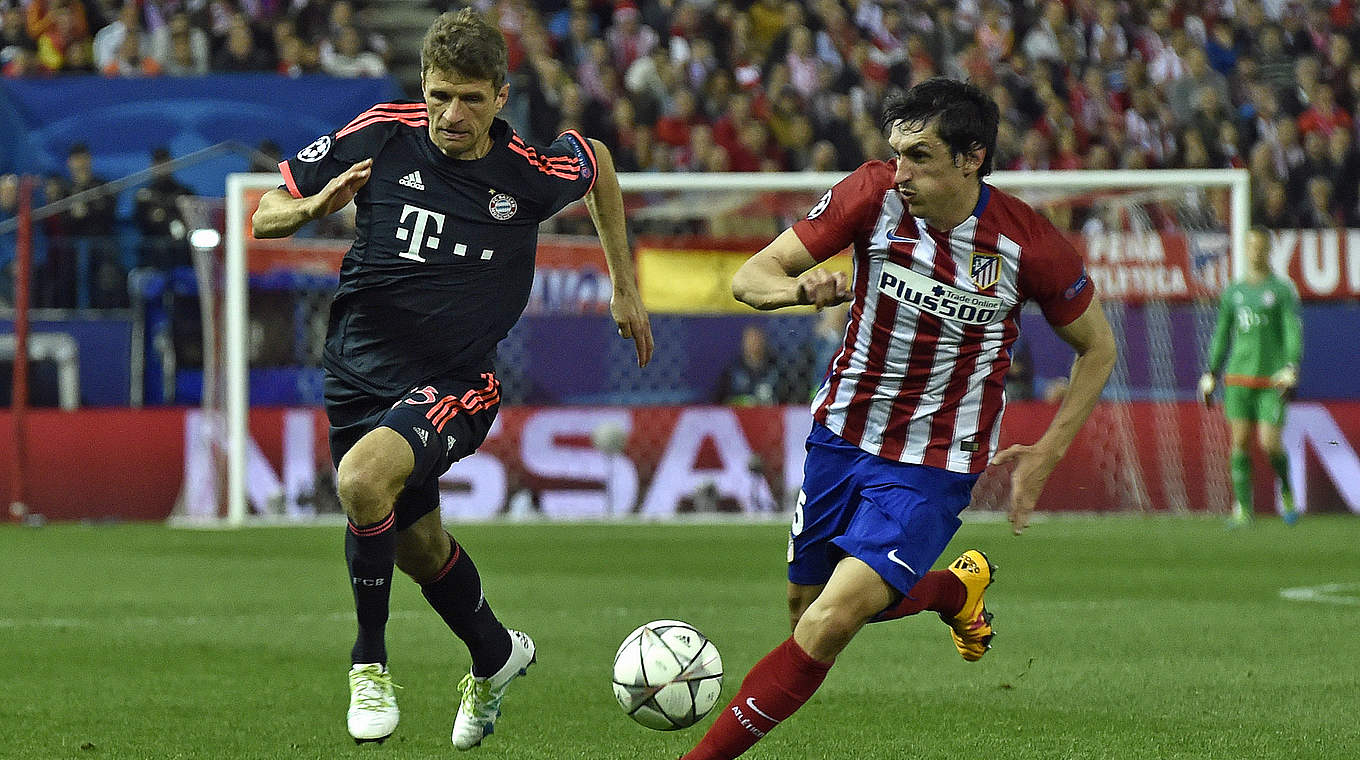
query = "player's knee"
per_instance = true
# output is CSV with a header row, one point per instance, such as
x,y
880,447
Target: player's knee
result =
x,y
366,489
824,630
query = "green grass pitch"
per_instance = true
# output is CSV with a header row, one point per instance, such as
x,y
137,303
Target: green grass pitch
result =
x,y
1117,637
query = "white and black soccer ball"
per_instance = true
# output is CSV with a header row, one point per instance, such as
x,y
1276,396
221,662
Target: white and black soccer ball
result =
x,y
667,675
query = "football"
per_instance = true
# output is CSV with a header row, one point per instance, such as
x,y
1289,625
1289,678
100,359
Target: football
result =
x,y
667,675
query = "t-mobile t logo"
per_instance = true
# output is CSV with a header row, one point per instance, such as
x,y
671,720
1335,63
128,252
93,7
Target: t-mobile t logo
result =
x,y
416,233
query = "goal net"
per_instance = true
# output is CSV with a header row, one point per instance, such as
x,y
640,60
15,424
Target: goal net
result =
x,y
586,433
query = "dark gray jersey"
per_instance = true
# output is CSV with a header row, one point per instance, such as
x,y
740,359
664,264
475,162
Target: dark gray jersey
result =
x,y
443,256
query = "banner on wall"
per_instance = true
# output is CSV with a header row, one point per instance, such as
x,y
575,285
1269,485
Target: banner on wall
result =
x,y
573,463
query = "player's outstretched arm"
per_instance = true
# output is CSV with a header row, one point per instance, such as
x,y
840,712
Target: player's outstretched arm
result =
x,y
280,214
1091,337
605,202
783,274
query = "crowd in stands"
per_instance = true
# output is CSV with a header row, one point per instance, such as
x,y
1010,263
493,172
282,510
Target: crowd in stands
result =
x,y
779,85
770,85
138,38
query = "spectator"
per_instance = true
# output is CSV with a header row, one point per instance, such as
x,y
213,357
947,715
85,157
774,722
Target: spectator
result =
x,y
342,16
1323,114
1345,160
44,15
629,39
1182,93
240,53
108,42
1273,65
64,43
181,47
347,58
1221,47
804,65
1320,211
1275,211
766,19
1297,96
91,223
129,60
753,378
184,59
822,157
1317,162
159,220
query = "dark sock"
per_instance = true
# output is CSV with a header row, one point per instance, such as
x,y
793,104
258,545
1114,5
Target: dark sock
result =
x,y
456,594
938,591
777,686
1240,465
370,552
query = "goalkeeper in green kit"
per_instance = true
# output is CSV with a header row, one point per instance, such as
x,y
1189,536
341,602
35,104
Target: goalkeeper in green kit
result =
x,y
1259,316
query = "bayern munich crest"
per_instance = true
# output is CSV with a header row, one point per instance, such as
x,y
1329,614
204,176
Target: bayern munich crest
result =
x,y
502,207
316,151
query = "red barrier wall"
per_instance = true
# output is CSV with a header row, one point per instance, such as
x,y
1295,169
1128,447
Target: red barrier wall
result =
x,y
128,464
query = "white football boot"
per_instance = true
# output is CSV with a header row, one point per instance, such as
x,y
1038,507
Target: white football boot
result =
x,y
373,710
481,703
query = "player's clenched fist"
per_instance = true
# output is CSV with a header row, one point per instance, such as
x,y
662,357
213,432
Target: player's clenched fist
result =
x,y
821,288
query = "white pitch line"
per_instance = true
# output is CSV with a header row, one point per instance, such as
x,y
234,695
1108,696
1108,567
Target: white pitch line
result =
x,y
185,620
1327,593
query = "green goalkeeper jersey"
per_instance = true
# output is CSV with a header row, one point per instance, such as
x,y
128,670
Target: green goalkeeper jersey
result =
x,y
1261,321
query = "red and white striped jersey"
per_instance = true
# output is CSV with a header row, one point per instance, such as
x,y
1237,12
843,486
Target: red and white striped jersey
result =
x,y
920,376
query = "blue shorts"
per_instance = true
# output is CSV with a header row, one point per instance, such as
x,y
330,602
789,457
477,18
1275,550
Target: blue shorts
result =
x,y
897,518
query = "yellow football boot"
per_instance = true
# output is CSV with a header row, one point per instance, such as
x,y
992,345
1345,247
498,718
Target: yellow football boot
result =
x,y
971,629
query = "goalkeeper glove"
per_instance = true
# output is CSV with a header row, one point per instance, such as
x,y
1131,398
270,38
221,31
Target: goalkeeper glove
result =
x,y
1207,383
1286,378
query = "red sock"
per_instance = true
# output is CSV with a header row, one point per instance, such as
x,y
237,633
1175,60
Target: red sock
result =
x,y
776,687
938,591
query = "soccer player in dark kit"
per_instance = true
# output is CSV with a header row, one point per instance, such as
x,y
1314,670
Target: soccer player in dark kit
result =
x,y
449,201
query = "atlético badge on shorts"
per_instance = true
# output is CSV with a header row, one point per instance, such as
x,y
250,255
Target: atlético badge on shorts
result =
x,y
502,207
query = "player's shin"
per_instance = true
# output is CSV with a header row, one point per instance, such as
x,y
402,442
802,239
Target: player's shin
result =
x,y
938,591
773,690
1240,465
456,594
370,553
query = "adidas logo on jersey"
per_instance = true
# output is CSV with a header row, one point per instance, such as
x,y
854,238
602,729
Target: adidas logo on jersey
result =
x,y
423,434
412,180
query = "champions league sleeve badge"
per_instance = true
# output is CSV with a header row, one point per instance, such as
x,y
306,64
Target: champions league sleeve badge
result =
x,y
316,151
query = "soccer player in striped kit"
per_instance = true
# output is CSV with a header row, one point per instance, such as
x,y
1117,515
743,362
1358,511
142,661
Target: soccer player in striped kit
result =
x,y
909,413
448,201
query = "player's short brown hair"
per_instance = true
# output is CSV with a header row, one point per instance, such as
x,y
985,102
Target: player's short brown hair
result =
x,y
465,44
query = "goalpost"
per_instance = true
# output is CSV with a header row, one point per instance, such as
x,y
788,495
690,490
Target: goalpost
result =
x,y
1121,215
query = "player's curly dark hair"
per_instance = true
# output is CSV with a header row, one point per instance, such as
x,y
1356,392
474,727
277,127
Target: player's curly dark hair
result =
x,y
465,44
967,116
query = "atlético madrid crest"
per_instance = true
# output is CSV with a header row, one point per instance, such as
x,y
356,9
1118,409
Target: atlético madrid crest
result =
x,y
984,269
